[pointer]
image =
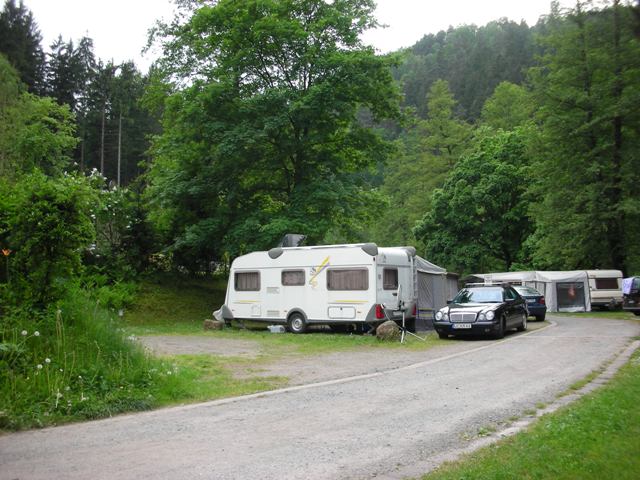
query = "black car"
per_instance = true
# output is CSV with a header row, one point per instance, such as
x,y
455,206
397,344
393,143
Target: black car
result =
x,y
482,310
535,301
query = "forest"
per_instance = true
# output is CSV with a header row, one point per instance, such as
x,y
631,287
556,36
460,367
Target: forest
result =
x,y
490,148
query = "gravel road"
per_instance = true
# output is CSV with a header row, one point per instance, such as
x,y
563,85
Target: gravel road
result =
x,y
375,425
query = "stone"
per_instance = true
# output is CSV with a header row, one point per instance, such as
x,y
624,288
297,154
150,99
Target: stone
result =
x,y
213,324
388,331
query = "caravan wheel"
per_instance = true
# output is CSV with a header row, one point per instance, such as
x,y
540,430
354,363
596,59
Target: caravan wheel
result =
x,y
297,323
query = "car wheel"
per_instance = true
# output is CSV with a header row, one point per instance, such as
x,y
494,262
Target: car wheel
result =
x,y
637,314
523,325
443,335
500,333
297,323
540,318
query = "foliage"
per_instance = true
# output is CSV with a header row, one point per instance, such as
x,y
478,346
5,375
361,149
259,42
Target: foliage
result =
x,y
35,132
427,151
45,223
114,120
75,363
473,60
124,240
587,88
20,42
509,106
266,139
69,73
478,220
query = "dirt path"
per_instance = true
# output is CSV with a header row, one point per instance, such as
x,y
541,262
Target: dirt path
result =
x,y
303,369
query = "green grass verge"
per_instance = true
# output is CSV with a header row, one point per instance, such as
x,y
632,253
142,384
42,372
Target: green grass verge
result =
x,y
598,437
613,315
174,305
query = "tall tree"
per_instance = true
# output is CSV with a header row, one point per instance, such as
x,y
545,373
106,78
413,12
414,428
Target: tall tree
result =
x,y
478,220
266,139
428,150
509,106
20,41
588,88
70,71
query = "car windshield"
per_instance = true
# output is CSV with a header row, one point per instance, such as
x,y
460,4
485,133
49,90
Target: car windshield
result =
x,y
479,295
527,291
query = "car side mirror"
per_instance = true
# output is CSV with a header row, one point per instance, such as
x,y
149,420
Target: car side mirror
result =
x,y
449,302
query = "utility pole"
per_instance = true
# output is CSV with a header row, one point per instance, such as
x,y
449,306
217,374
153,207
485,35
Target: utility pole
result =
x,y
102,143
119,144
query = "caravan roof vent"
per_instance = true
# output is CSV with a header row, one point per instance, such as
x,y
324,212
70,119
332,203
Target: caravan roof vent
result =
x,y
275,252
370,248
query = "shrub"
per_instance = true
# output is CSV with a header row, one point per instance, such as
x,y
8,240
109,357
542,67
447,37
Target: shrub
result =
x,y
46,224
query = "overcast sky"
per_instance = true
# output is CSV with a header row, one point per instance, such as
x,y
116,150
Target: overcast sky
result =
x,y
119,27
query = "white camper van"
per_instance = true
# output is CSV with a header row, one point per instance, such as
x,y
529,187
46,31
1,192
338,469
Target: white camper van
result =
x,y
331,284
605,287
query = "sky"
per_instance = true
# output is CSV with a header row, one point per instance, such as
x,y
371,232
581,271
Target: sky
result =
x,y
119,27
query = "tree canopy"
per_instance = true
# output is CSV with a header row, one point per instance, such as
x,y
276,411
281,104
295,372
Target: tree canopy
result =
x,y
266,139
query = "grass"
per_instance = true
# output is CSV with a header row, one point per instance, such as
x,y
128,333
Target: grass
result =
x,y
595,438
174,305
612,315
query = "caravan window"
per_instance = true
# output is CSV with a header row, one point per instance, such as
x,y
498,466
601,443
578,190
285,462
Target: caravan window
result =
x,y
348,279
247,281
390,278
606,284
292,277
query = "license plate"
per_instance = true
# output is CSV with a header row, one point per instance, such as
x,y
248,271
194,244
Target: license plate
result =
x,y
461,325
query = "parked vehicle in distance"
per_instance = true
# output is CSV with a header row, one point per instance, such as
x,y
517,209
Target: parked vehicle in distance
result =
x,y
605,287
536,304
482,310
631,290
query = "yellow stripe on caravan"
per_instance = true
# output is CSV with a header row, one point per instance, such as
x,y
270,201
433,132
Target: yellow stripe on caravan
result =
x,y
318,271
247,301
350,301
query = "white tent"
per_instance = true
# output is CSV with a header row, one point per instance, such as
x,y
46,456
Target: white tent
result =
x,y
434,286
566,291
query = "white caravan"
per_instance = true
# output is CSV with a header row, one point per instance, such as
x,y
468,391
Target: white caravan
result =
x,y
330,284
605,287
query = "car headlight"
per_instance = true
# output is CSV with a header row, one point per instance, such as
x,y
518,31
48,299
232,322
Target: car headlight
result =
x,y
445,317
438,315
490,315
481,317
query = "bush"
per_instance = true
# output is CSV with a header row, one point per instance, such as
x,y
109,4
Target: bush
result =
x,y
46,225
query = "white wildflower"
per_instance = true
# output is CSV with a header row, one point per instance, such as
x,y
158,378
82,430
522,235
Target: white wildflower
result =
x,y
39,366
47,360
24,333
36,333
